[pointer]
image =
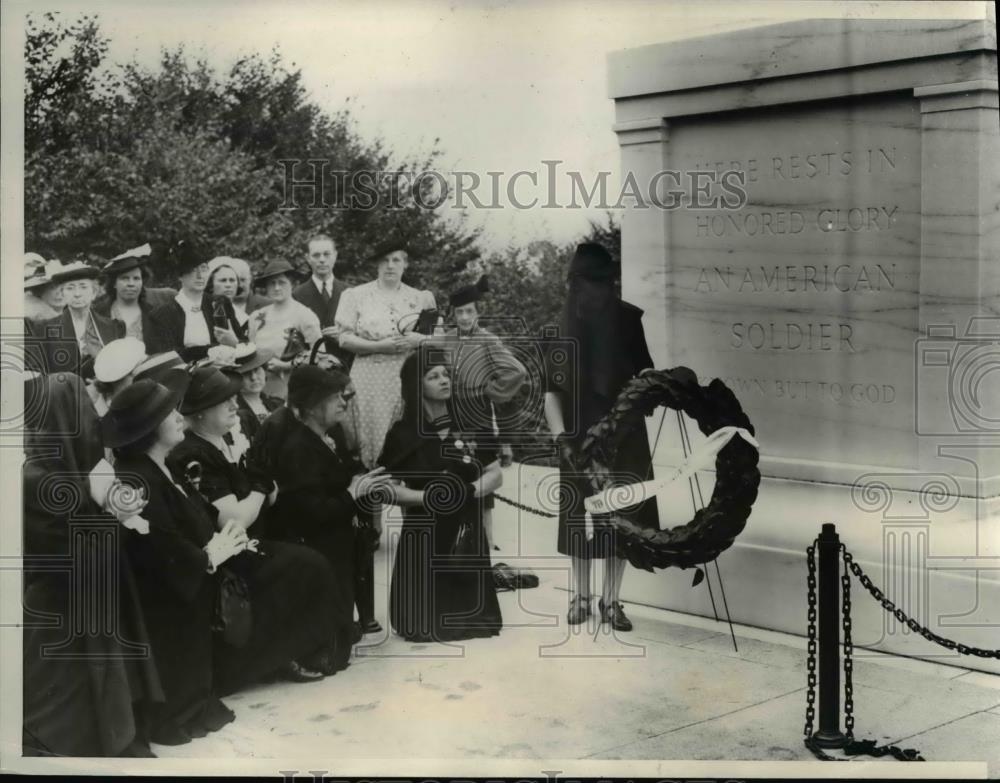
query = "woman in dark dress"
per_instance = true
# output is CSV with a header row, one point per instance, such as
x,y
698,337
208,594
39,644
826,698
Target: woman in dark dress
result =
x,y
290,586
253,406
319,490
86,693
442,582
610,350
176,560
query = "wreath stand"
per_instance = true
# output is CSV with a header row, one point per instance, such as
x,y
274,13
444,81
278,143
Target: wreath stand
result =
x,y
697,501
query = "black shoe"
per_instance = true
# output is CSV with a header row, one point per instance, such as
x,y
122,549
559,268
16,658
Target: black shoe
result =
x,y
579,610
615,615
296,672
372,626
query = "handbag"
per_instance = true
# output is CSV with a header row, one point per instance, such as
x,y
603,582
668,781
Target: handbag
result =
x,y
233,614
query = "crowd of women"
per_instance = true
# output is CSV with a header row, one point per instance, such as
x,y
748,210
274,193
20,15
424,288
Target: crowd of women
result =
x,y
243,435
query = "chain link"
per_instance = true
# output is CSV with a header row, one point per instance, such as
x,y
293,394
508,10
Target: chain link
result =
x,y
811,647
845,584
852,747
522,507
909,622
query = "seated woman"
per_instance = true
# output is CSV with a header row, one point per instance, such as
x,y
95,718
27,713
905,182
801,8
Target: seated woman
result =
x,y
319,493
87,689
177,563
114,369
253,406
293,585
442,581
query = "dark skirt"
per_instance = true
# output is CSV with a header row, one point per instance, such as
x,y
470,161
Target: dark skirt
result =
x,y
291,589
335,549
631,466
436,595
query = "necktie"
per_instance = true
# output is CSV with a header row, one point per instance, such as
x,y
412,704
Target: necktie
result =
x,y
326,293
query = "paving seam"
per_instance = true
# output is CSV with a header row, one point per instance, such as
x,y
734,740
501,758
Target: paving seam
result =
x,y
695,723
940,725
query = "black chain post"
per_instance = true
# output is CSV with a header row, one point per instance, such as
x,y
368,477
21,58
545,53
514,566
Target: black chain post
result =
x,y
829,734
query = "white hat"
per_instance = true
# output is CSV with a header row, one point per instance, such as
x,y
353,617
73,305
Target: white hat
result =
x,y
118,358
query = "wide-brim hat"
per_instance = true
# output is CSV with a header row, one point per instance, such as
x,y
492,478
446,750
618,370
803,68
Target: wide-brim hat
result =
x,y
275,268
209,386
118,358
160,366
593,262
78,270
258,358
34,272
470,293
136,411
130,259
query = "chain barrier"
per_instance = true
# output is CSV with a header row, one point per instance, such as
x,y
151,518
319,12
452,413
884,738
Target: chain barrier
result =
x,y
909,622
522,507
855,747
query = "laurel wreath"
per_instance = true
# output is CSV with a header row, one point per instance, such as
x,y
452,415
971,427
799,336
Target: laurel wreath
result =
x,y
714,527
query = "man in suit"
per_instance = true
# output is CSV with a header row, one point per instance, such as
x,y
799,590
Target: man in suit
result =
x,y
73,338
321,293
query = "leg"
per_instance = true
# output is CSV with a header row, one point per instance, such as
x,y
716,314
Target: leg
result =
x,y
488,527
579,604
611,609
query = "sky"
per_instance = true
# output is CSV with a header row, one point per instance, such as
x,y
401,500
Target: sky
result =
x,y
502,85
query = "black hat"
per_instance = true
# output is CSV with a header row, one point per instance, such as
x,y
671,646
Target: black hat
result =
x,y
309,385
470,293
138,410
78,270
209,386
275,268
256,358
593,261
185,255
128,260
389,245
160,366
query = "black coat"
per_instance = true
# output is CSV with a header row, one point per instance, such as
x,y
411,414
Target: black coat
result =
x,y
623,353
169,321
309,295
249,422
177,592
152,298
60,351
291,587
313,505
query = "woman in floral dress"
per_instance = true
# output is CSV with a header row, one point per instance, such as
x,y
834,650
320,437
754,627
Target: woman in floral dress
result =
x,y
376,322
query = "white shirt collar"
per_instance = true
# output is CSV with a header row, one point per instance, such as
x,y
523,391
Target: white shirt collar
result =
x,y
320,283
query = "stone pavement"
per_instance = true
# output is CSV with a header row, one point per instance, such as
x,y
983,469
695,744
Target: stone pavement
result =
x,y
674,688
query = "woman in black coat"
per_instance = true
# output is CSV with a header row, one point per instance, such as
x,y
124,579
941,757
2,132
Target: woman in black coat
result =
x,y
611,350
176,559
442,580
194,320
292,586
127,296
86,691
319,489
